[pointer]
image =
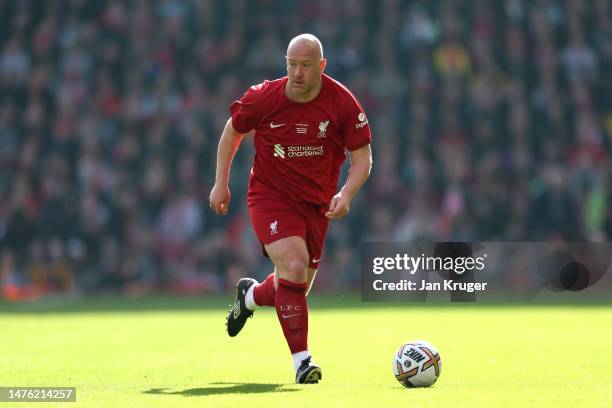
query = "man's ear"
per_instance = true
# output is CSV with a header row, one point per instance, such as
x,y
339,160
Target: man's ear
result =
x,y
322,64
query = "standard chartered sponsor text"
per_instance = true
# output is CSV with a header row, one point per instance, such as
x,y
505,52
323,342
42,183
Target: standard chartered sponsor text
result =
x,y
304,151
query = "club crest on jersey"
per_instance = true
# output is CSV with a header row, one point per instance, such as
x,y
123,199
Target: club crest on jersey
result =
x,y
322,129
274,227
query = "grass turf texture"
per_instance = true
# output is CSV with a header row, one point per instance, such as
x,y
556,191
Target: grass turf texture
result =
x,y
167,352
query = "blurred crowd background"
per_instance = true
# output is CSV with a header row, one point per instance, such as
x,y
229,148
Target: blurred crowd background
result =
x,y
490,120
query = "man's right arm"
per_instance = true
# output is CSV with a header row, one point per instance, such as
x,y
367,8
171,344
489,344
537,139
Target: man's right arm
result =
x,y
228,145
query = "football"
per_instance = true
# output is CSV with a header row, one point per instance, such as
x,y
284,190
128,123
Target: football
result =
x,y
417,364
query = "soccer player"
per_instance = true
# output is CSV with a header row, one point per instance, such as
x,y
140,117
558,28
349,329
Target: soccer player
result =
x,y
303,124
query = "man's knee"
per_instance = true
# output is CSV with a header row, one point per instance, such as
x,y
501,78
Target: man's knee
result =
x,y
295,270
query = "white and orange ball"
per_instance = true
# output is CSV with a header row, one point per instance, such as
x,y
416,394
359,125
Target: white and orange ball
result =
x,y
417,364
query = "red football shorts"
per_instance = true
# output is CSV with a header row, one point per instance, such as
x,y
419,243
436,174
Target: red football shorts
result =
x,y
275,218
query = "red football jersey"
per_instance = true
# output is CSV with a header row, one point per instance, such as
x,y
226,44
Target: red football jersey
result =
x,y
300,147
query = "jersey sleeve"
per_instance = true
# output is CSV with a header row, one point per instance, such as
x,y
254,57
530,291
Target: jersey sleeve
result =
x,y
356,129
246,112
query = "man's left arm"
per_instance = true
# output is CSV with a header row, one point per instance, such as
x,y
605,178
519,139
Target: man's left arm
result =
x,y
361,164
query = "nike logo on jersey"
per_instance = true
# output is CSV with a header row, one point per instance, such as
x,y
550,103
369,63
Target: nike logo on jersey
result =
x,y
291,315
315,260
276,125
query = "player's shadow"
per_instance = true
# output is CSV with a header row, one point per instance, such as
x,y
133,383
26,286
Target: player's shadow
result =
x,y
224,388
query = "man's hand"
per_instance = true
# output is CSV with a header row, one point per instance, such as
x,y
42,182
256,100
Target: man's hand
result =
x,y
361,163
339,206
228,144
220,198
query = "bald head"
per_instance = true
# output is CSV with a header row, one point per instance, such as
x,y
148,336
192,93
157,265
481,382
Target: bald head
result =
x,y
305,64
305,45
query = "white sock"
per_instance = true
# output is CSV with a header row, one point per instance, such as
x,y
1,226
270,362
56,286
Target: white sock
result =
x,y
298,357
249,300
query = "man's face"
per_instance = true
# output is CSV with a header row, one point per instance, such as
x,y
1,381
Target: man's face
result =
x,y
304,71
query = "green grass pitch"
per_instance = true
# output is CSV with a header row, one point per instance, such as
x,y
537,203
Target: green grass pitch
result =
x,y
172,352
